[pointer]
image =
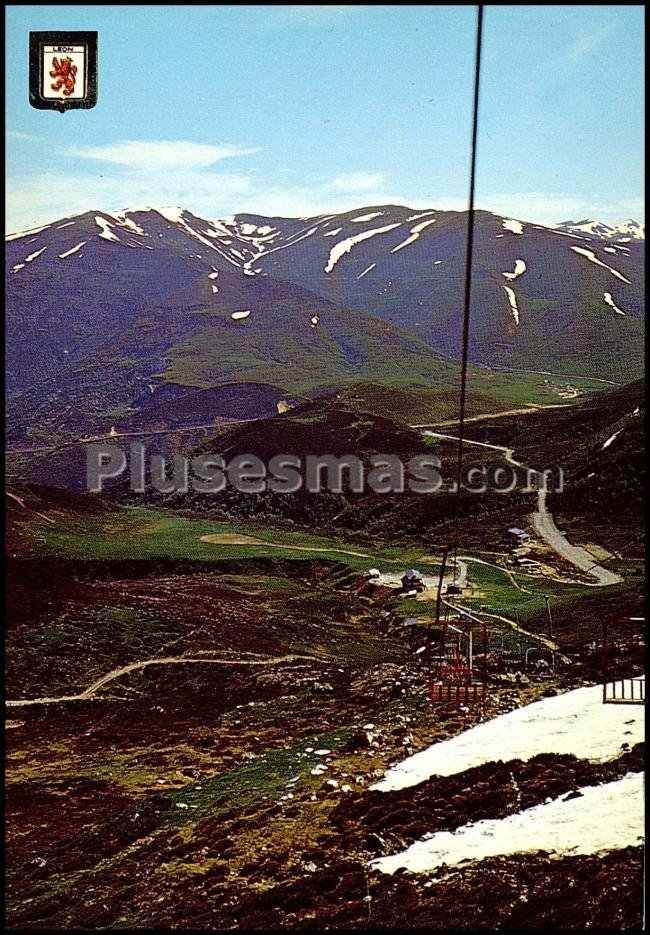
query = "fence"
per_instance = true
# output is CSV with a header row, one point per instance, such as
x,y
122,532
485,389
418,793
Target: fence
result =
x,y
624,691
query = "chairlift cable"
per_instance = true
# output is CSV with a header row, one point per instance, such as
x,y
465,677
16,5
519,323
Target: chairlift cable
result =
x,y
469,251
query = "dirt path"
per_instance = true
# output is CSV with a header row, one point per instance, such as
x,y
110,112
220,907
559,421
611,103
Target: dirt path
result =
x,y
21,503
493,415
507,453
85,440
229,538
90,692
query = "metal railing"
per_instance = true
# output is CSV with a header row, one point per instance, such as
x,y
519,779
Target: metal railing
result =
x,y
629,690
448,693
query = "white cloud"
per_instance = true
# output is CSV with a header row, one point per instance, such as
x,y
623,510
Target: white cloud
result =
x,y
358,181
40,199
545,208
140,176
19,135
161,154
586,43
312,13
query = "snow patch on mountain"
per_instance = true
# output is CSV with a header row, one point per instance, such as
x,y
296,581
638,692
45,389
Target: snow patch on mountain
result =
x,y
124,221
34,230
171,213
73,250
367,217
32,256
416,217
415,233
632,230
520,269
105,229
610,301
516,227
512,299
590,255
345,246
175,215
367,270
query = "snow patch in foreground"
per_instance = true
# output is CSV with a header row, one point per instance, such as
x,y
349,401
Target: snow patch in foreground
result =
x,y
237,316
603,818
576,722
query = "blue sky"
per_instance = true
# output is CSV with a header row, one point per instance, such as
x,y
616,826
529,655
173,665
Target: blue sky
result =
x,y
299,110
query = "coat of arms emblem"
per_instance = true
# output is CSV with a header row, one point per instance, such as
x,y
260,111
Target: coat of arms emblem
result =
x,y
65,73
63,70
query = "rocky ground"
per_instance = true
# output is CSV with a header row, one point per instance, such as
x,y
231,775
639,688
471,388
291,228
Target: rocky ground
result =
x,y
210,796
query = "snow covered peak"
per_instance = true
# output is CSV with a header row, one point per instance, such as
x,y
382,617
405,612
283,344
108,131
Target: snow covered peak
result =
x,y
627,228
171,213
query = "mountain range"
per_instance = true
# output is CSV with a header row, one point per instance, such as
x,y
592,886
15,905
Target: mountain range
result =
x,y
117,318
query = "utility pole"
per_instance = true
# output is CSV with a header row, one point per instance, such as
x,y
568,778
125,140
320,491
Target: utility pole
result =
x,y
547,601
441,577
605,659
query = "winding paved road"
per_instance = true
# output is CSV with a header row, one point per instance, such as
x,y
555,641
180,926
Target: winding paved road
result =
x,y
544,524
546,529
